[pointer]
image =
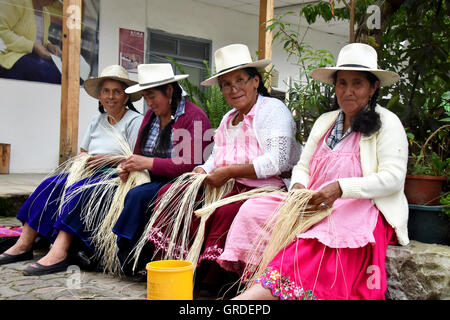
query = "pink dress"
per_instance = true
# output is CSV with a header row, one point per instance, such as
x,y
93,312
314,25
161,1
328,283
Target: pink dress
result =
x,y
239,147
341,257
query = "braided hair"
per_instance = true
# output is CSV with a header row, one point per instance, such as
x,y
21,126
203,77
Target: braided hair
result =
x,y
366,121
262,90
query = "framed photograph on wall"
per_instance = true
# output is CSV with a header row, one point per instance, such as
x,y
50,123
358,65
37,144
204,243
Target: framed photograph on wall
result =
x,y
30,40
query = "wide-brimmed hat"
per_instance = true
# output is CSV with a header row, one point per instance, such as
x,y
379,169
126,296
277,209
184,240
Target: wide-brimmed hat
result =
x,y
356,57
154,75
233,57
114,72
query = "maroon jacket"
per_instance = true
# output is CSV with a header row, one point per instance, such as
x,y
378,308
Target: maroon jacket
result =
x,y
193,118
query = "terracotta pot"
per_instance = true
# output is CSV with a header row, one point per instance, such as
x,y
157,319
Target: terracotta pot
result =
x,y
423,189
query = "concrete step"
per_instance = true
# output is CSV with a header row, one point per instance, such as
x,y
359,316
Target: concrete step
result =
x,y
15,189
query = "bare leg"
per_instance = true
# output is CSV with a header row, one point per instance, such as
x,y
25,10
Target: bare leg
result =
x,y
256,292
58,251
25,241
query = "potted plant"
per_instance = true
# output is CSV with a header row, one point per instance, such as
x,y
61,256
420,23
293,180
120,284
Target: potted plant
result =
x,y
425,189
427,171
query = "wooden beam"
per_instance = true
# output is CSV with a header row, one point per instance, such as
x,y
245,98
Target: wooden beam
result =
x,y
265,38
5,155
70,79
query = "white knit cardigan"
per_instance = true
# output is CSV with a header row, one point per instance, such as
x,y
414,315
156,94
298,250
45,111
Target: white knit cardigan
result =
x,y
384,158
274,129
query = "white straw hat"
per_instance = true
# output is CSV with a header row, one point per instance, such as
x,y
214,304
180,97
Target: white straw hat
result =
x,y
114,72
356,57
233,57
154,75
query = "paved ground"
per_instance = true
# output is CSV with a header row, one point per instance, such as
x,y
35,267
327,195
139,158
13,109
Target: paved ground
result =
x,y
72,285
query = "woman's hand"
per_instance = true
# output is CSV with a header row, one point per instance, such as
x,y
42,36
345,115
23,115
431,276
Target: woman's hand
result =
x,y
41,51
53,48
298,186
102,160
325,197
199,170
137,163
123,174
218,177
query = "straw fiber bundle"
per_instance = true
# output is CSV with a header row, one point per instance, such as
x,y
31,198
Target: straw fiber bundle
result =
x,y
105,203
174,211
292,217
205,212
176,208
75,169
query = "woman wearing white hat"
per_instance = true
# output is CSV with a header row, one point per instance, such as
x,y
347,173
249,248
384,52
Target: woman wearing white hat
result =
x,y
171,123
40,213
254,143
355,158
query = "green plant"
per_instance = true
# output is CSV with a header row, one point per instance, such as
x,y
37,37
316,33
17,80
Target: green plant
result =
x,y
209,98
307,99
428,161
422,97
445,202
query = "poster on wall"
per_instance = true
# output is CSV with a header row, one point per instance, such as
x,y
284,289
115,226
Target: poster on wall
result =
x,y
131,49
30,40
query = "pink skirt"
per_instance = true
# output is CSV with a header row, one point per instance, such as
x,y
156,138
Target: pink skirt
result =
x,y
308,270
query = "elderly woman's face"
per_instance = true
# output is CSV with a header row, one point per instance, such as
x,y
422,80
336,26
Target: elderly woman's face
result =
x,y
353,91
239,89
112,96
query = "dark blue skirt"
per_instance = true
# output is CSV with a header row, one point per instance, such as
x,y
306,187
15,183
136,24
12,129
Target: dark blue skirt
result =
x,y
40,210
138,208
130,223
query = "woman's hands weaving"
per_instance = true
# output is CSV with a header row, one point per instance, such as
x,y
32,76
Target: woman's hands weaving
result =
x,y
134,163
325,197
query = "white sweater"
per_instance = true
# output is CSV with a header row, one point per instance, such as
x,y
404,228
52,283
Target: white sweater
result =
x,y
384,158
274,129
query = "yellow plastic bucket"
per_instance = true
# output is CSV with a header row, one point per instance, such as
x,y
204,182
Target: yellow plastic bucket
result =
x,y
170,280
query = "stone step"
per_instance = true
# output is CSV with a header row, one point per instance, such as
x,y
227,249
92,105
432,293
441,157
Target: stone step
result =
x,y
418,271
15,189
9,206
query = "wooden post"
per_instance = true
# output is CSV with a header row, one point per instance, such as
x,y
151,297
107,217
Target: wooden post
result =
x,y
70,79
5,154
351,8
265,38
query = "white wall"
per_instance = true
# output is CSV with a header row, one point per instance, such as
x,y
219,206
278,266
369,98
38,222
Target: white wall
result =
x,y
29,121
30,111
115,14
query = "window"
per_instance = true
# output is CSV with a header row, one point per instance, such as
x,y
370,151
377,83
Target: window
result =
x,y
188,52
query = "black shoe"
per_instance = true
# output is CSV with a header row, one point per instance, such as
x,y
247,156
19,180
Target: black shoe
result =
x,y
37,269
87,261
10,258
